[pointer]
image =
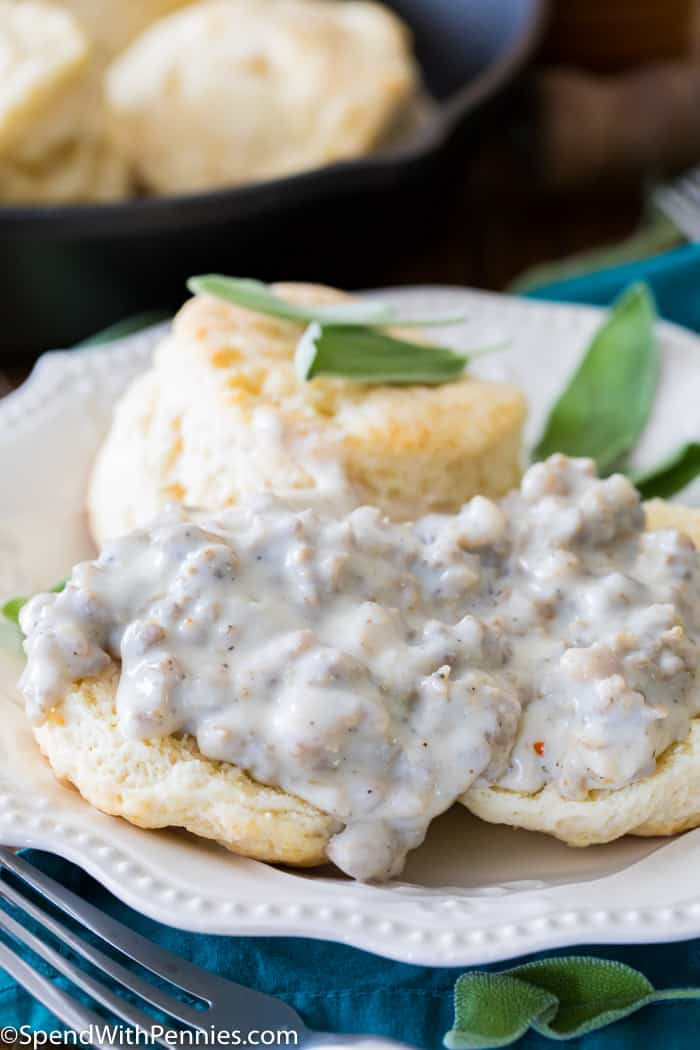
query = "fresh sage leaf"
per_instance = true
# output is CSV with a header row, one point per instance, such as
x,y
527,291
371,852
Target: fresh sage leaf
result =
x,y
561,998
591,993
259,297
495,1009
370,356
12,608
606,404
682,467
128,326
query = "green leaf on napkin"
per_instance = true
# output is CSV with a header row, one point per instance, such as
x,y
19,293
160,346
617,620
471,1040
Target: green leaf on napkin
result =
x,y
371,356
682,467
128,326
606,404
591,993
495,1009
561,998
12,608
259,297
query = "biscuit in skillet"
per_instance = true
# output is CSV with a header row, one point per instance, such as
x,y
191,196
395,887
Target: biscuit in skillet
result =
x,y
42,52
230,91
112,24
59,151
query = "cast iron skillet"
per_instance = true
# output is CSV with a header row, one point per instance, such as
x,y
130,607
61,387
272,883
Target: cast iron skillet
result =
x,y
70,270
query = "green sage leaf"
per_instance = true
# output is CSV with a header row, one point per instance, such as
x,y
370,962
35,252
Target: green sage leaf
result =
x,y
370,356
561,998
591,993
669,477
259,297
606,404
128,326
12,608
495,1009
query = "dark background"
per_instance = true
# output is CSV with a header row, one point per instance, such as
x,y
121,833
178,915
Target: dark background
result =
x,y
563,165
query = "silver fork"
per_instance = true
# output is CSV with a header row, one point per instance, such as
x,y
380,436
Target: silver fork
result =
x,y
224,1005
679,200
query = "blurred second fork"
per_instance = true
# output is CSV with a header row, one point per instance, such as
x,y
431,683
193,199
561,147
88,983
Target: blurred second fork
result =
x,y
679,200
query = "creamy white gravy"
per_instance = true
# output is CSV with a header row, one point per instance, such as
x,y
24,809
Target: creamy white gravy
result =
x,y
377,670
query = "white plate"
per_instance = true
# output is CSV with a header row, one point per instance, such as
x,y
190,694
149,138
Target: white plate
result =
x,y
473,893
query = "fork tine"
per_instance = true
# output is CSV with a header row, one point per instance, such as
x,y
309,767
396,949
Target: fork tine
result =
x,y
143,989
689,188
227,999
120,1007
680,209
73,1014
162,963
693,177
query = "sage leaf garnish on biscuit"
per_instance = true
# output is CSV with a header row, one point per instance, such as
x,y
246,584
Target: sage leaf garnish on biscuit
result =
x,y
560,998
260,298
345,340
604,409
370,356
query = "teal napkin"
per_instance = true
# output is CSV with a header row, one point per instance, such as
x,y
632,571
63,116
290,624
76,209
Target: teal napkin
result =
x,y
336,988
673,276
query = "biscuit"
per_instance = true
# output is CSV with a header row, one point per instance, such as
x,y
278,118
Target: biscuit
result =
x,y
230,91
221,415
112,24
78,170
42,52
63,153
664,803
167,782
